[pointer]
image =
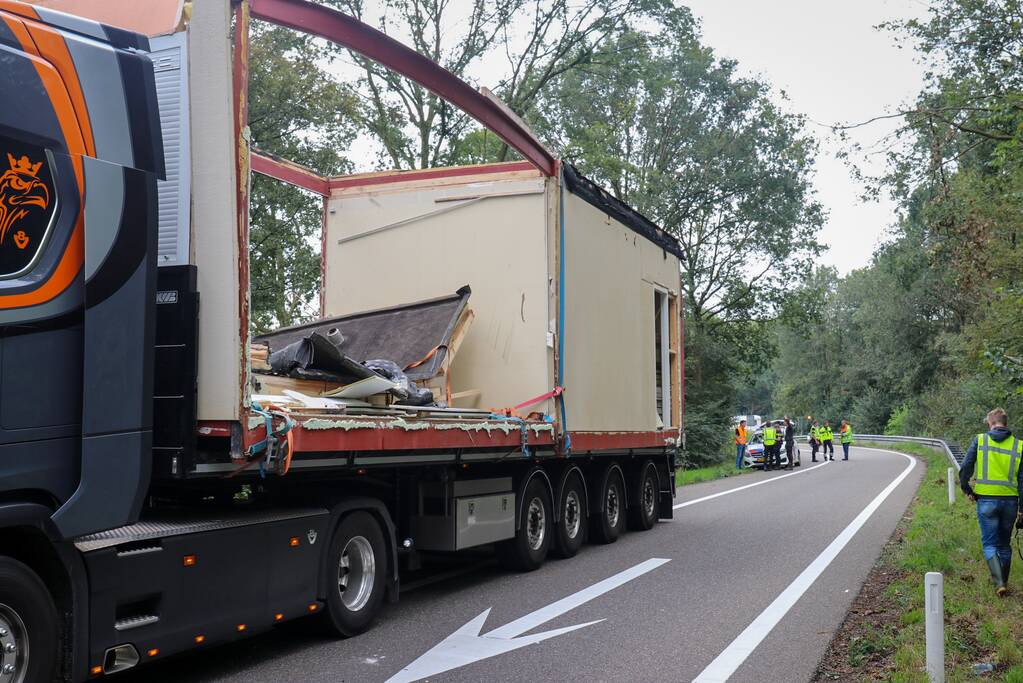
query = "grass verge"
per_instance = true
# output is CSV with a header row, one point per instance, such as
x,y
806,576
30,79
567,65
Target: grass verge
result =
x,y
719,471
883,635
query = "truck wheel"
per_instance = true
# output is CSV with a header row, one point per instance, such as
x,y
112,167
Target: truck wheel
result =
x,y
357,572
609,522
643,514
29,632
528,549
570,532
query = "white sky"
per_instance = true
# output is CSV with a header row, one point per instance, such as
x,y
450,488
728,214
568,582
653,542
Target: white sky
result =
x,y
834,66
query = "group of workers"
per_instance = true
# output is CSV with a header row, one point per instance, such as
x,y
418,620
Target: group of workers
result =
x,y
823,439
780,432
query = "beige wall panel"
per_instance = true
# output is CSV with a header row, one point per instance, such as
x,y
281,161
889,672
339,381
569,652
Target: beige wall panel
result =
x,y
609,320
214,215
495,245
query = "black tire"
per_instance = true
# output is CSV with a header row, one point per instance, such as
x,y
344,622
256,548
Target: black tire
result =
x,y
609,521
528,549
645,497
355,589
29,618
570,532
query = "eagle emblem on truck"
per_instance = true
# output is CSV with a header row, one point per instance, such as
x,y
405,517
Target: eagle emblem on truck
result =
x,y
21,192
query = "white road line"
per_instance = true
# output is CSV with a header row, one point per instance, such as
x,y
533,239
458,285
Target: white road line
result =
x,y
747,486
726,663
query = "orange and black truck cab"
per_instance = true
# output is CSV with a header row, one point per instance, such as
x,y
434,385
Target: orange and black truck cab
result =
x,y
80,155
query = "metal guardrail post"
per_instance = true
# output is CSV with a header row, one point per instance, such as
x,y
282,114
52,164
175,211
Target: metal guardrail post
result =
x,y
934,626
951,486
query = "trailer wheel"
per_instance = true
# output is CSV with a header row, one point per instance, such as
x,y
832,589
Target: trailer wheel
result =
x,y
29,631
570,532
357,571
643,514
528,549
609,522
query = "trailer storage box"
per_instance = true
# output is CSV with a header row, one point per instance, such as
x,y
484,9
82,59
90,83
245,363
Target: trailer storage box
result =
x,y
560,271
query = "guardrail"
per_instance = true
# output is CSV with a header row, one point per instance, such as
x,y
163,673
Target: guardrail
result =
x,y
953,450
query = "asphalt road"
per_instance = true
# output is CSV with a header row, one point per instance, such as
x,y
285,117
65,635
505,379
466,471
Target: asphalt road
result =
x,y
733,564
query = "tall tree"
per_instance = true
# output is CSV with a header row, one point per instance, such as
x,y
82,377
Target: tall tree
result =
x,y
297,111
537,41
707,154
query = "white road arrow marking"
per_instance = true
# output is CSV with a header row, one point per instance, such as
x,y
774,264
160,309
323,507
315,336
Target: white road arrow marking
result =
x,y
468,644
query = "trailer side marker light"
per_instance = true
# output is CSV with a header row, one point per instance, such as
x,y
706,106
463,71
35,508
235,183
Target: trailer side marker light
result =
x,y
278,617
313,607
96,670
241,627
152,652
188,560
199,640
361,470
293,542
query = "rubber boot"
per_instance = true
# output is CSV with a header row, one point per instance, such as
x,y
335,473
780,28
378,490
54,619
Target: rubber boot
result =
x,y
1006,568
994,565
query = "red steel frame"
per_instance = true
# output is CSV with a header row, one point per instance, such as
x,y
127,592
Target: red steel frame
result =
x,y
318,20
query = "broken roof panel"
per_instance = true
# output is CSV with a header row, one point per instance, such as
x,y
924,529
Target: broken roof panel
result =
x,y
404,334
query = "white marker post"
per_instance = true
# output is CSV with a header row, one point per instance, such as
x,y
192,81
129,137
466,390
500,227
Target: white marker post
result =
x,y
951,487
934,626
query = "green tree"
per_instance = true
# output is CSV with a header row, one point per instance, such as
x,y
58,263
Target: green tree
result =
x,y
297,111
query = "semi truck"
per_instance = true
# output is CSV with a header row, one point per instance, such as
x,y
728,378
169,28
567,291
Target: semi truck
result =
x,y
154,499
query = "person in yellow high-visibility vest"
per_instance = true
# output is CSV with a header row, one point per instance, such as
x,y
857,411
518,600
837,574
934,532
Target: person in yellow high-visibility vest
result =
x,y
846,437
815,439
827,438
995,458
770,444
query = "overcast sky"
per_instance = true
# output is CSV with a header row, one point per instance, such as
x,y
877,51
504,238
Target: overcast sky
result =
x,y
834,66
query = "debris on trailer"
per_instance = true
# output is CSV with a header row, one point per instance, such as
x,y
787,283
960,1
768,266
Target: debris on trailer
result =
x,y
411,347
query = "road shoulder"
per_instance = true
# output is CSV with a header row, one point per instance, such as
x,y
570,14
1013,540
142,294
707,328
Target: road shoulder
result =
x,y
882,636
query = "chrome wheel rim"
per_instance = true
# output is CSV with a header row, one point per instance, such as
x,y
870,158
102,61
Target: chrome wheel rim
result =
x,y
356,573
649,497
536,524
13,646
611,505
571,513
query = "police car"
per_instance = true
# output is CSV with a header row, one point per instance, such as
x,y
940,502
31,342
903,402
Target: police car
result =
x,y
755,447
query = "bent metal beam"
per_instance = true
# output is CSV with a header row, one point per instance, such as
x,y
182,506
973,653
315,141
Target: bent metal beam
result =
x,y
317,20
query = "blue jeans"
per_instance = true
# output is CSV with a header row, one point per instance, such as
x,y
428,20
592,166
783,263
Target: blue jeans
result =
x,y
997,517
845,449
740,450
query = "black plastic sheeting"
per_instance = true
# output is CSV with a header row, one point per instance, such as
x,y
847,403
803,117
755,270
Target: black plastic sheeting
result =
x,y
586,189
402,334
318,356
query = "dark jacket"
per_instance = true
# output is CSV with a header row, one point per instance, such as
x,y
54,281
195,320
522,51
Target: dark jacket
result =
x,y
790,433
970,464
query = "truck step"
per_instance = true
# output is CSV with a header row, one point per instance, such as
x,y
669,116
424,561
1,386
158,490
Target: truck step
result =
x,y
169,525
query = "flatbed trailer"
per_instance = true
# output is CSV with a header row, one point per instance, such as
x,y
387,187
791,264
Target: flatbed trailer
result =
x,y
148,505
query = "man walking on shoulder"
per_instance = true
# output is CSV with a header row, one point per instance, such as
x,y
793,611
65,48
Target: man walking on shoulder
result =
x,y
995,457
740,444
